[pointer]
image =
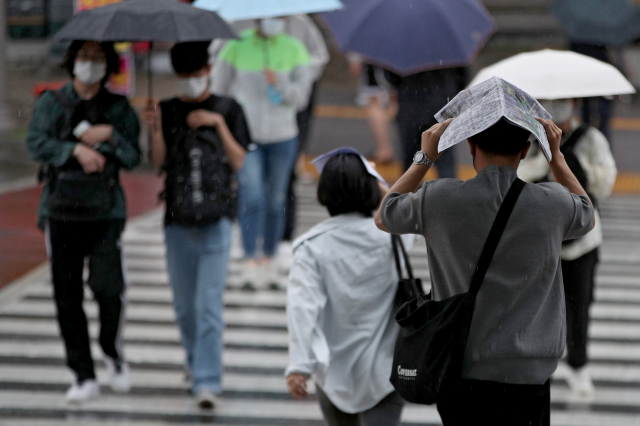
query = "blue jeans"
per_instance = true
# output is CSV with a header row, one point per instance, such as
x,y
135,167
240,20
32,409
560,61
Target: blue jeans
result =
x,y
263,181
197,259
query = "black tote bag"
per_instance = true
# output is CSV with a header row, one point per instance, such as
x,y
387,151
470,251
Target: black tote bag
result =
x,y
430,348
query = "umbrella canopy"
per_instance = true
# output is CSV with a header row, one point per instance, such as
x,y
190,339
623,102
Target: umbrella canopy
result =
x,y
146,20
604,22
237,10
408,36
554,74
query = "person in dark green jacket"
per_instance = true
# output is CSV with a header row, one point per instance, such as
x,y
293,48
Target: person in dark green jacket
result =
x,y
83,135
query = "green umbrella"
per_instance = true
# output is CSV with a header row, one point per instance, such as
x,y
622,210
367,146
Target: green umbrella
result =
x,y
601,22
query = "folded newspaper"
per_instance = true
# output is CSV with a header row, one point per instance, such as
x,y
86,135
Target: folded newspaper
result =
x,y
479,107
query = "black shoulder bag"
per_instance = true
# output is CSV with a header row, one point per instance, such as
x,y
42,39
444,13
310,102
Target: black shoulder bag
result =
x,y
430,348
74,195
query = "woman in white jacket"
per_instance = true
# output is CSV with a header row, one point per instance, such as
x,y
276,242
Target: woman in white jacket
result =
x,y
340,301
588,154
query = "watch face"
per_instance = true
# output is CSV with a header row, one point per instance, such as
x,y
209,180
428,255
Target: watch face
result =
x,y
418,157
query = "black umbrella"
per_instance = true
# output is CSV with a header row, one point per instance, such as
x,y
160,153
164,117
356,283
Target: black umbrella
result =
x,y
146,20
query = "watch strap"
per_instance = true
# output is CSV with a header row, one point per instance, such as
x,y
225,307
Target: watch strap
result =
x,y
426,160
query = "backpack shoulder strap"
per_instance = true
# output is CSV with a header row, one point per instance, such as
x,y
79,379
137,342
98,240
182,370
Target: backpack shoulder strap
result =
x,y
110,99
493,239
575,137
65,101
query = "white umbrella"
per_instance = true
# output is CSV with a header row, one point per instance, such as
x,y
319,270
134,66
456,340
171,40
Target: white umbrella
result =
x,y
237,10
554,74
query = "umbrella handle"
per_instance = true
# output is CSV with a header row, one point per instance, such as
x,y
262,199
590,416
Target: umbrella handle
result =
x,y
265,47
149,73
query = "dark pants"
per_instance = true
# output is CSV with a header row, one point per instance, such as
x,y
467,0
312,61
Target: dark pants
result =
x,y
304,124
386,413
604,110
605,106
70,243
578,277
411,124
478,402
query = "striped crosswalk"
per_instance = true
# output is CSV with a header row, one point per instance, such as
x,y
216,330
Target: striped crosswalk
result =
x,y
33,377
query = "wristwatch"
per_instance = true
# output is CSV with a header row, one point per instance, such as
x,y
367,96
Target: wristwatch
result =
x,y
421,158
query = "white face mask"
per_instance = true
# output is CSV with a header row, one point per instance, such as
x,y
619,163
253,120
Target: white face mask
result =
x,y
561,110
89,72
193,87
271,27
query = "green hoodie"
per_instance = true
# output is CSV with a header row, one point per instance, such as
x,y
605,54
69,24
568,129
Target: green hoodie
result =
x,y
239,73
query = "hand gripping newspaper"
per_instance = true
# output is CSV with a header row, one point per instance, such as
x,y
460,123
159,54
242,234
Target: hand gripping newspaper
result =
x,y
477,108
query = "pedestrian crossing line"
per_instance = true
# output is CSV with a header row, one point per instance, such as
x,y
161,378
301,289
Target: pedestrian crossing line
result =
x,y
42,330
612,290
248,316
255,411
162,295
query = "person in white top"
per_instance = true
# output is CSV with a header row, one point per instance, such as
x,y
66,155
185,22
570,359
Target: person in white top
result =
x,y
341,303
588,154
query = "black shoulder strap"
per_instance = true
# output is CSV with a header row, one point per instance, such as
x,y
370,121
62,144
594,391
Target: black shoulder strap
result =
x,y
493,239
67,104
396,242
574,138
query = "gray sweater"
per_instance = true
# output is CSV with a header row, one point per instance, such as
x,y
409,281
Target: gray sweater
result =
x,y
518,329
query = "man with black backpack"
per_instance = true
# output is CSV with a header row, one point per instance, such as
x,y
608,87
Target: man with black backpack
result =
x,y
199,140
516,328
589,157
83,135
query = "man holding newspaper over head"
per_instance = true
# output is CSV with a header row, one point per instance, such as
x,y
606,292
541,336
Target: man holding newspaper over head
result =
x,y
517,332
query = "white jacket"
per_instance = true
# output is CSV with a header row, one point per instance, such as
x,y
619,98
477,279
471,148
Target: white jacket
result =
x,y
340,310
595,157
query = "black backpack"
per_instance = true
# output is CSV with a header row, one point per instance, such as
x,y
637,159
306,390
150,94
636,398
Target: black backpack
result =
x,y
75,196
200,187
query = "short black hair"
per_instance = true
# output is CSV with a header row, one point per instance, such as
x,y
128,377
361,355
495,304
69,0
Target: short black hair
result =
x,y
190,56
113,59
503,138
346,187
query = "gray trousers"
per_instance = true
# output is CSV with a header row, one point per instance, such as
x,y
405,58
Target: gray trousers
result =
x,y
386,413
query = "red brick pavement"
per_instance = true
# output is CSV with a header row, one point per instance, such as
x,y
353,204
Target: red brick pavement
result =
x,y
22,245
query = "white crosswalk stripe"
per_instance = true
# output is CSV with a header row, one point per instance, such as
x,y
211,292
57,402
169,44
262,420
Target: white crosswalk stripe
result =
x,y
33,377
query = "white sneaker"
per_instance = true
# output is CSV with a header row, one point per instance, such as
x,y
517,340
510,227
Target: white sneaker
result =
x,y
237,252
252,276
86,391
284,258
273,277
118,375
580,383
206,399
